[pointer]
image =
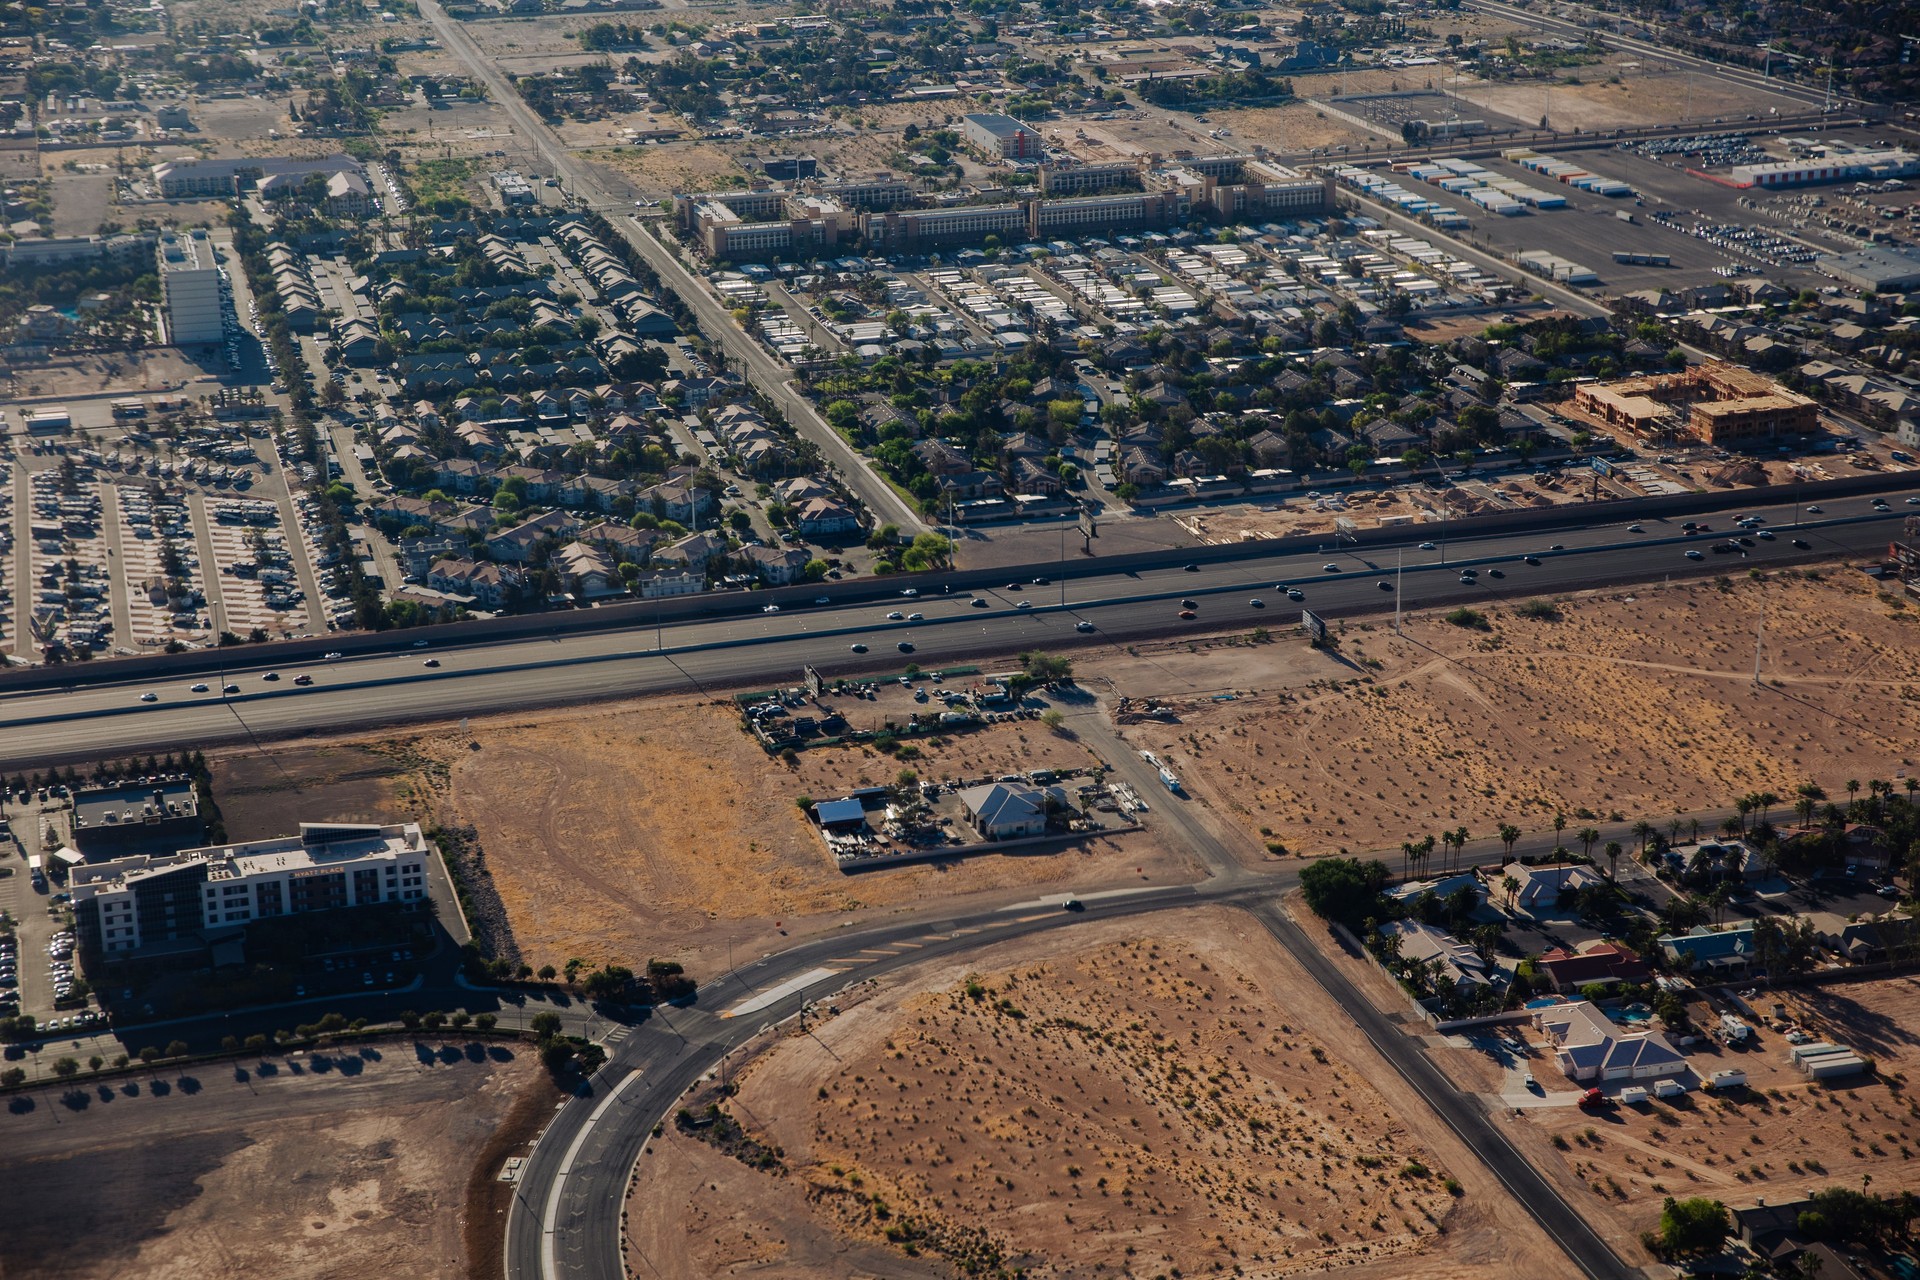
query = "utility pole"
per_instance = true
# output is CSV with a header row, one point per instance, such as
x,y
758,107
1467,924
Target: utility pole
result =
x,y
1758,633
1399,560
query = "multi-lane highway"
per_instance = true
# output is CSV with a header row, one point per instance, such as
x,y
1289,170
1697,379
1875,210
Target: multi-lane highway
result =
x,y
1077,607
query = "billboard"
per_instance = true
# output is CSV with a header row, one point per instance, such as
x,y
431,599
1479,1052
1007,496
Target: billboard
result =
x,y
1315,625
816,683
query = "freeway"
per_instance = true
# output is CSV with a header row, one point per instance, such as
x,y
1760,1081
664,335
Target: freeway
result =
x,y
1084,607
772,376
565,1221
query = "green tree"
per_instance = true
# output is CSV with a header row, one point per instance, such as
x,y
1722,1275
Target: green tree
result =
x,y
1695,1226
546,1024
1344,889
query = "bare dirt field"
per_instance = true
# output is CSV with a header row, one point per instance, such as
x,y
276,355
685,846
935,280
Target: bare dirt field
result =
x,y
1623,91
1781,1136
1100,1101
1298,126
149,370
264,794
334,1166
1638,703
660,170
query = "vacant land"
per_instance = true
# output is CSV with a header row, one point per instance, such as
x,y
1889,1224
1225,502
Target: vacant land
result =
x,y
1639,703
663,829
1099,1100
1625,91
1781,1136
339,1166
264,794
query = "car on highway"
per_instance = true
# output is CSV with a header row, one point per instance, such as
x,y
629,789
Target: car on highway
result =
x,y
271,677
196,688
1694,554
1295,593
431,662
1040,582
1765,535
823,600
1384,586
303,679
229,688
1814,510
1634,528
1189,604
1187,614
1880,504
1469,580
1024,604
772,608
911,592
1802,544
1083,625
1557,547
1193,568
1330,568
1913,502
333,657
916,617
896,616
857,648
1013,586
1256,603
1529,559
149,697
1428,546
979,602
905,646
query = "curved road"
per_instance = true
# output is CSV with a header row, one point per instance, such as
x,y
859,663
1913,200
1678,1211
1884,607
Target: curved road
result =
x,y
91,722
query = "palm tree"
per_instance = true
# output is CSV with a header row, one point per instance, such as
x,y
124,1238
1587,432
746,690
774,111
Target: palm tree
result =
x,y
1765,800
1426,850
1512,885
1913,785
1406,859
1613,852
1853,789
1460,840
1643,832
1803,809
1509,836
1743,806
1559,825
1446,842
1588,837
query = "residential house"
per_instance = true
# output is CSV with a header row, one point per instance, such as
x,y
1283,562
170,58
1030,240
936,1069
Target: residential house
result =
x,y
678,500
964,486
1541,888
1137,466
693,552
516,544
1597,961
492,585
417,554
1030,477
776,566
798,489
1590,1046
588,569
1011,810
941,458
625,544
461,475
825,518
1723,952
662,583
1453,960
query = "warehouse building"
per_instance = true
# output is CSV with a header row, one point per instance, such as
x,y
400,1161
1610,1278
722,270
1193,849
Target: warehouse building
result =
x,y
999,137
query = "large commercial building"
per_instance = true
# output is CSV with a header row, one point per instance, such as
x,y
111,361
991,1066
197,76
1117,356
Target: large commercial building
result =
x,y
201,179
1833,167
1719,403
158,817
1001,137
25,255
139,903
190,286
911,229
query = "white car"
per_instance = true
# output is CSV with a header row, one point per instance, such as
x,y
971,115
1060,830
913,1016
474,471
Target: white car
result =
x,y
911,592
1695,555
1083,625
1024,604
1330,568
149,697
895,616
1428,546
916,617
822,600
772,608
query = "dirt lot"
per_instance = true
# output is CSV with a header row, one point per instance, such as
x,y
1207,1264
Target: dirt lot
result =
x,y
1637,703
1782,1135
1229,1130
660,170
1625,91
364,1161
264,794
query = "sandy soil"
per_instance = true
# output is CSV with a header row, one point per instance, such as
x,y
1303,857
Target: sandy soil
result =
x,y
662,829
1636,703
1640,95
1298,126
357,1170
1781,1136
663,169
1229,1131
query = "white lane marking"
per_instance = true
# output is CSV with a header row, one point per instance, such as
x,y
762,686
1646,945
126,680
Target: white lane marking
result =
x,y
549,1264
1101,896
773,995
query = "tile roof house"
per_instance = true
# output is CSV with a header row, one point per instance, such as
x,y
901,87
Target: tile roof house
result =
x,y
492,585
1541,887
590,570
1710,951
777,566
1588,1045
1458,962
1596,961
517,543
821,517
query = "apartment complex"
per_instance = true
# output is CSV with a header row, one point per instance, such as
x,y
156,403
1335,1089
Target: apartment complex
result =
x,y
1719,403
141,902
190,287
745,225
199,179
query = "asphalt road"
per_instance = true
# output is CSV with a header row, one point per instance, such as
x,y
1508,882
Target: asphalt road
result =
x,y
772,376
85,723
565,1220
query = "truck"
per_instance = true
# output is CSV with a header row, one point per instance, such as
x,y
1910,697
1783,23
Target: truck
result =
x,y
1721,1081
1595,1100
37,870
1668,1088
1632,1096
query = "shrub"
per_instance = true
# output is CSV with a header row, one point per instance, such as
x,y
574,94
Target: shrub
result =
x,y
1540,610
1471,619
